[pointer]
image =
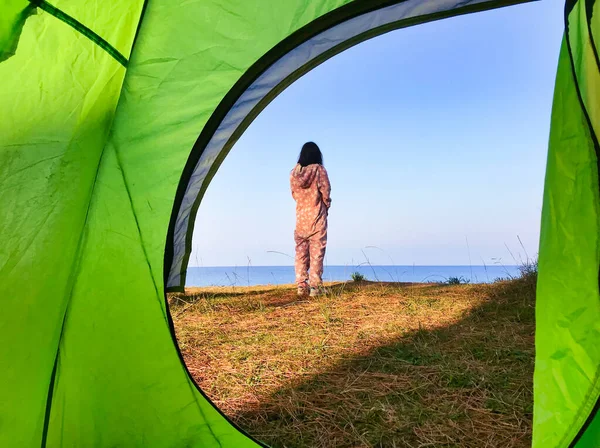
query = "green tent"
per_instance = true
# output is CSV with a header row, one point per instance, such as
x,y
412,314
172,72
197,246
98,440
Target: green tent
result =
x,y
115,117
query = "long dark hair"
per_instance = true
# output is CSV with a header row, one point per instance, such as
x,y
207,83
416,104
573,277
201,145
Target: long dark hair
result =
x,y
310,155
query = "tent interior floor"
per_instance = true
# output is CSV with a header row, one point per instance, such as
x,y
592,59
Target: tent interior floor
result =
x,y
369,364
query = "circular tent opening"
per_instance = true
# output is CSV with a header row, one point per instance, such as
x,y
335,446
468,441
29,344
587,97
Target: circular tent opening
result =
x,y
237,363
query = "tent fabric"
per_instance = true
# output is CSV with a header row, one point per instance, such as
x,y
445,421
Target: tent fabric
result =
x,y
58,93
567,371
105,158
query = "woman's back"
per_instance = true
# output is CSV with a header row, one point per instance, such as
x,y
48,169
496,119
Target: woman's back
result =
x,y
310,188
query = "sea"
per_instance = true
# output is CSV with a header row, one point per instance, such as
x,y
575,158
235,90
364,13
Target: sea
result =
x,y
281,275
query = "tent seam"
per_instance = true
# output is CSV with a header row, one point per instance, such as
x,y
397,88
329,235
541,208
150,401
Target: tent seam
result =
x,y
82,29
49,397
137,224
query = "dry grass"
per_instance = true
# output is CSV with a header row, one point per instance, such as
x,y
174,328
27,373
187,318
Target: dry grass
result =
x,y
369,365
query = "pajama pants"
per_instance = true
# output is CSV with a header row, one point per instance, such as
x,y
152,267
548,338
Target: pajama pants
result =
x,y
310,252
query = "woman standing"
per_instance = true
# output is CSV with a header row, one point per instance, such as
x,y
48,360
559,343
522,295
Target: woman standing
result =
x,y
311,190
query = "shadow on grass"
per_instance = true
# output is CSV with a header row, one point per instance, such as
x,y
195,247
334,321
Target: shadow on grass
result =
x,y
465,385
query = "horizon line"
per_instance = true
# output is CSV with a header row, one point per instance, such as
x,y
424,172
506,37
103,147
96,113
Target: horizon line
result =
x,y
245,266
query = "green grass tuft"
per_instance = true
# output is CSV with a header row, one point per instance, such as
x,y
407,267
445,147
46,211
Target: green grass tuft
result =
x,y
358,277
457,281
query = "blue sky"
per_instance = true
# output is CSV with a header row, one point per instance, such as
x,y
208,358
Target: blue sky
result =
x,y
433,136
